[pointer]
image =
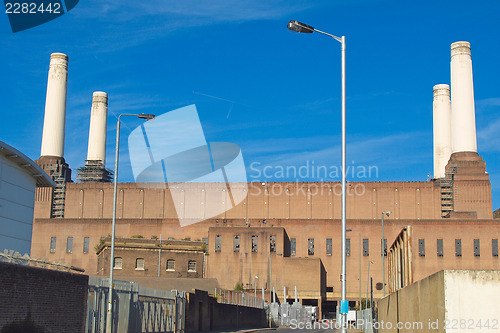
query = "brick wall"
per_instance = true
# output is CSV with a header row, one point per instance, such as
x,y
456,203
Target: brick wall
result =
x,y
203,314
41,300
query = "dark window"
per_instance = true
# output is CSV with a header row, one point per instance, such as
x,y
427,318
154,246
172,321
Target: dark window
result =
x,y
218,241
329,289
383,247
477,252
310,246
366,247
272,243
69,245
348,247
118,264
170,265
191,266
421,247
86,245
494,247
236,243
52,244
439,247
255,243
293,246
329,246
458,247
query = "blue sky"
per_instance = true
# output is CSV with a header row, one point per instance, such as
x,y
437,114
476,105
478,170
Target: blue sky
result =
x,y
273,92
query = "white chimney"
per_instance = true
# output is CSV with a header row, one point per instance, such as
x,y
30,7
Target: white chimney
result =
x,y
98,127
463,120
442,128
55,106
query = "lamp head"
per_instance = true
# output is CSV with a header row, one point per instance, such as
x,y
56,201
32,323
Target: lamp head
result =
x,y
387,212
300,27
146,116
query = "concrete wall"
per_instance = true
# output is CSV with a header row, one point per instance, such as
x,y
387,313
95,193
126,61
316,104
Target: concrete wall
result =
x,y
17,198
471,295
442,302
41,300
203,314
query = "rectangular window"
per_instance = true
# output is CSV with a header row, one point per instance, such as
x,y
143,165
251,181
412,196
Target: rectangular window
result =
x,y
255,243
191,266
476,248
218,241
439,247
139,264
69,245
52,244
421,247
293,246
329,246
272,243
310,246
170,265
236,243
348,247
86,241
494,247
366,247
118,264
383,247
458,247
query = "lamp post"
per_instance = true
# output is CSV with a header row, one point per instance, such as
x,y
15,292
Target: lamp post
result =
x,y
109,316
255,286
368,282
301,27
386,212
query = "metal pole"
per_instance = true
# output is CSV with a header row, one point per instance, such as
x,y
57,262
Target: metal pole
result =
x,y
383,255
255,287
343,316
359,244
367,284
159,259
109,315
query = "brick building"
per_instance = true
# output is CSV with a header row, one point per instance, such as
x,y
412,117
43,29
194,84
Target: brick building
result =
x,y
140,257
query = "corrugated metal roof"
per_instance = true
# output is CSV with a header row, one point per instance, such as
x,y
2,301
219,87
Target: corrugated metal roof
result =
x,y
26,163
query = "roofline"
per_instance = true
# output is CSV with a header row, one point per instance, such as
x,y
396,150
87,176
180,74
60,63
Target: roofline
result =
x,y
26,163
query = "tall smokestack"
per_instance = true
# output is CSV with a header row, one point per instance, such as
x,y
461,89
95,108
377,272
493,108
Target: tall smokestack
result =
x,y
442,128
463,119
98,127
55,106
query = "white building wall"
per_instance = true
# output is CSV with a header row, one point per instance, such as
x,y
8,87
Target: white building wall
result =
x,y
471,299
17,199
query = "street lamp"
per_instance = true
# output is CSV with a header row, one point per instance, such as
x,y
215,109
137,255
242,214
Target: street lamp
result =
x,y
368,282
109,316
386,212
304,28
255,287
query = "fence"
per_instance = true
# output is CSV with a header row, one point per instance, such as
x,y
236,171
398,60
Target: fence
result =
x,y
135,309
238,298
283,314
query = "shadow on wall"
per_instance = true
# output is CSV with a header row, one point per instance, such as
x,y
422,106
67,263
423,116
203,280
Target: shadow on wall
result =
x,y
23,326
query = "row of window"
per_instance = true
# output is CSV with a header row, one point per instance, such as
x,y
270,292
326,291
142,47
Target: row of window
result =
x,y
69,244
139,264
366,246
458,247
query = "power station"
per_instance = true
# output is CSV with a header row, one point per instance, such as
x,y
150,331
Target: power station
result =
x,y
287,234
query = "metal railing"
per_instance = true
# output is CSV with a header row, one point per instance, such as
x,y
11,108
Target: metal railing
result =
x,y
135,309
238,298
